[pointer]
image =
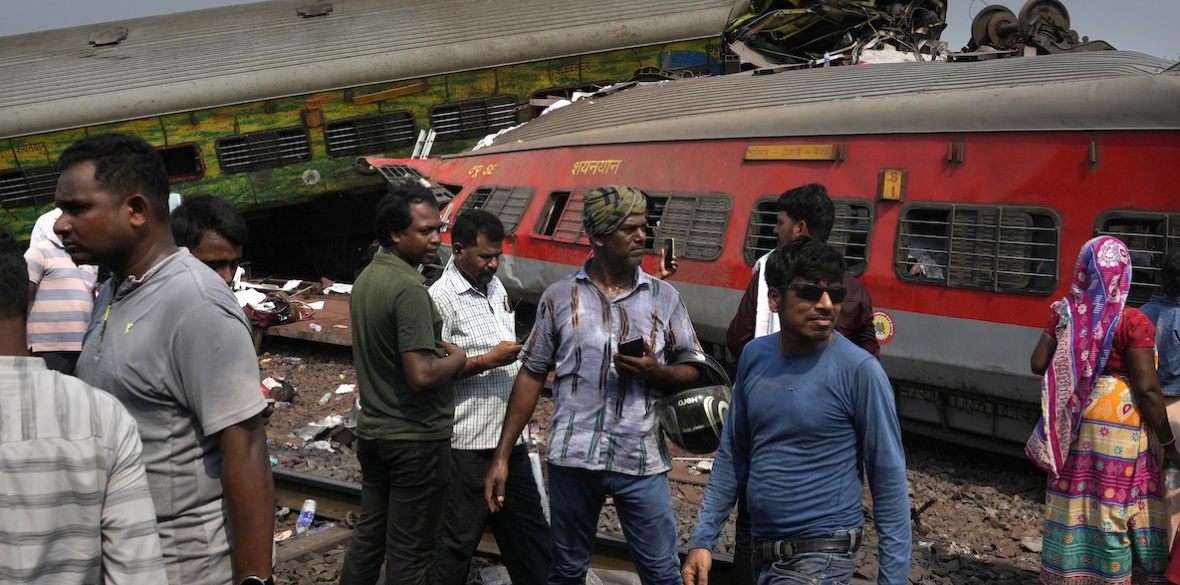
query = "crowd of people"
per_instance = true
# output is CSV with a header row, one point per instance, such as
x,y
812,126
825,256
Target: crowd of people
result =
x,y
131,423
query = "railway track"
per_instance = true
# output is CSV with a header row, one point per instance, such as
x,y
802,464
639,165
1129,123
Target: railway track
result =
x,y
335,499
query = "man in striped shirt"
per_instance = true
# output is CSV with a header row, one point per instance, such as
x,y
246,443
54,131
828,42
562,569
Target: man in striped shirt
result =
x,y
76,503
604,439
477,317
62,297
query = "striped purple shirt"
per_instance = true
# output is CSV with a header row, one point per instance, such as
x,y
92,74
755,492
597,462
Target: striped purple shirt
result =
x,y
601,420
59,312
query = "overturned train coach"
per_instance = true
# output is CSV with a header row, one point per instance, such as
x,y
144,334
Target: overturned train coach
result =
x,y
963,193
269,104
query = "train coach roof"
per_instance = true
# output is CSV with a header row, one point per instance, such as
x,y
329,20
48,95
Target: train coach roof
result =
x,y
1106,90
220,56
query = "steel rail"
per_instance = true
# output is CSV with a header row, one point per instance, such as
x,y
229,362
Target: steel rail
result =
x,y
335,499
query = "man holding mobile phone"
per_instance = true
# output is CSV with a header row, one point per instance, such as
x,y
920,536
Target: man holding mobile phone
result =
x,y
605,438
477,317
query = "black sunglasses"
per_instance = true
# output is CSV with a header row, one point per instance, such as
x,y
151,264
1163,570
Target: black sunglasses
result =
x,y
815,292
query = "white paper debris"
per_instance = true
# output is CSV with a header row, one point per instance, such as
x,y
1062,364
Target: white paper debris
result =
x,y
345,388
344,289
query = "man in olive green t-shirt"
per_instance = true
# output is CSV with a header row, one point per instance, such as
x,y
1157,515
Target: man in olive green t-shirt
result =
x,y
404,371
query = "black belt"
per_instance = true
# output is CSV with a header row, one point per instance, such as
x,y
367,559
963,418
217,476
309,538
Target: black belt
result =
x,y
773,551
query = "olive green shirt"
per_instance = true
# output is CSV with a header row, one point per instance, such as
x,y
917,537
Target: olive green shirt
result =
x,y
392,314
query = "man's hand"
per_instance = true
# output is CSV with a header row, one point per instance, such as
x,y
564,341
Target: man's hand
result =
x,y
646,367
450,347
503,354
696,567
269,410
667,269
493,484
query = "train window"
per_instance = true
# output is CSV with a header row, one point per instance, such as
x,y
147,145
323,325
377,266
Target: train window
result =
x,y
698,221
997,248
444,193
850,231
369,134
28,186
506,203
263,150
475,118
182,162
1149,237
561,220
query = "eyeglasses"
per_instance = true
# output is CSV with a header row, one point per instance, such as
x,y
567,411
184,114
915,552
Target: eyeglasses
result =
x,y
815,292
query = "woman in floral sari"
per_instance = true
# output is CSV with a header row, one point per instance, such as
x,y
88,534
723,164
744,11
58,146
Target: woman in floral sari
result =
x,y
1105,521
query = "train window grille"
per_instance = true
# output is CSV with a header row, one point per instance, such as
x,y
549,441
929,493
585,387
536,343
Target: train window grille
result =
x,y
28,186
475,118
182,162
370,134
263,150
698,222
506,203
850,231
561,220
996,248
1149,238
444,193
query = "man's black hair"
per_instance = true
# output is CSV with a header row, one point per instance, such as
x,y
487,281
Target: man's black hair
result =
x,y
393,211
124,164
1171,273
207,212
811,205
14,278
804,258
473,222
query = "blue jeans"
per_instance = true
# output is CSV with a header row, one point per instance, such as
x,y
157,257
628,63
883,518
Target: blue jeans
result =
x,y
644,505
807,568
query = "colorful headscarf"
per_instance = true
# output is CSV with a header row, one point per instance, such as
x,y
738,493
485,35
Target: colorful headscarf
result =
x,y
606,208
1087,318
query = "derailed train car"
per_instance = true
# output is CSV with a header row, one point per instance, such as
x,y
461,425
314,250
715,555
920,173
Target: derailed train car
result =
x,y
963,194
269,104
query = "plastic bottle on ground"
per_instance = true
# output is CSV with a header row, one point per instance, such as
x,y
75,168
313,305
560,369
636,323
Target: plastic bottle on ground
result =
x,y
306,516
1172,477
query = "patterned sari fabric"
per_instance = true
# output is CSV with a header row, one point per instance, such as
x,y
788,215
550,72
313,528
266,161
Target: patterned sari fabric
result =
x,y
1105,521
1086,321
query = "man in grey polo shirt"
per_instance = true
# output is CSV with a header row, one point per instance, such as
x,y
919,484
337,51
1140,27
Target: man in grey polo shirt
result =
x,y
170,342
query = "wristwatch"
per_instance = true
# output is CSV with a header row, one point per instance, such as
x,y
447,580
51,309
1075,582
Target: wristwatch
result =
x,y
252,580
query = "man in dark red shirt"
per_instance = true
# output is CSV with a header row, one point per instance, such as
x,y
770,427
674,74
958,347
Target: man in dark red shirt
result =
x,y
802,211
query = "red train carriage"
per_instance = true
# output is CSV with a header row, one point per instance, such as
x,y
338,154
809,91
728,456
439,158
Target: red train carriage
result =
x,y
964,192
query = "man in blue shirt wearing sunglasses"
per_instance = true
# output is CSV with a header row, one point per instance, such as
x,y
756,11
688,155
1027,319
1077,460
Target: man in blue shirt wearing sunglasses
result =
x,y
810,411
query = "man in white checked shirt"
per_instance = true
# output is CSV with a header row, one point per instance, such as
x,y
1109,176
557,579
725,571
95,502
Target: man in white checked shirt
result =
x,y
477,317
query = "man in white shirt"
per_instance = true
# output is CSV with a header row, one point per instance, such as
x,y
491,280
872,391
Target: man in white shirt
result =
x,y
477,316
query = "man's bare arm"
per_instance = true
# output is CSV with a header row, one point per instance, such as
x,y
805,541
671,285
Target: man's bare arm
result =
x,y
525,392
249,496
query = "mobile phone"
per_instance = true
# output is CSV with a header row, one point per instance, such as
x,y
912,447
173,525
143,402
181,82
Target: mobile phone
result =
x,y
632,347
669,252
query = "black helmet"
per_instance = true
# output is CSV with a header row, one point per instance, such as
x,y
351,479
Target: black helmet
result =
x,y
692,418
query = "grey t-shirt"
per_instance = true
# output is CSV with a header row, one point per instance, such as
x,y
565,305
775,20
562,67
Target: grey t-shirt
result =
x,y
174,347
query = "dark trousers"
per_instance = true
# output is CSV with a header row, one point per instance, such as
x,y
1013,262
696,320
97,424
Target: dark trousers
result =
x,y
59,361
521,530
743,544
403,488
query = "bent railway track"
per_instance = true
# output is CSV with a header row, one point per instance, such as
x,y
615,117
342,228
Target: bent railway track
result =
x,y
335,499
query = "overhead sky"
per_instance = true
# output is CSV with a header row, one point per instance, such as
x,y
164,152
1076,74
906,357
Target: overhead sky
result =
x,y
1148,26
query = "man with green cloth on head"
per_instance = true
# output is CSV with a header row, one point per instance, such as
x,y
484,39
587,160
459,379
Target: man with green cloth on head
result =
x,y
604,439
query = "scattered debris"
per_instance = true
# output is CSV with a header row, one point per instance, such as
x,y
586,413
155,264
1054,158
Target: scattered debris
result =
x,y
345,388
1031,543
